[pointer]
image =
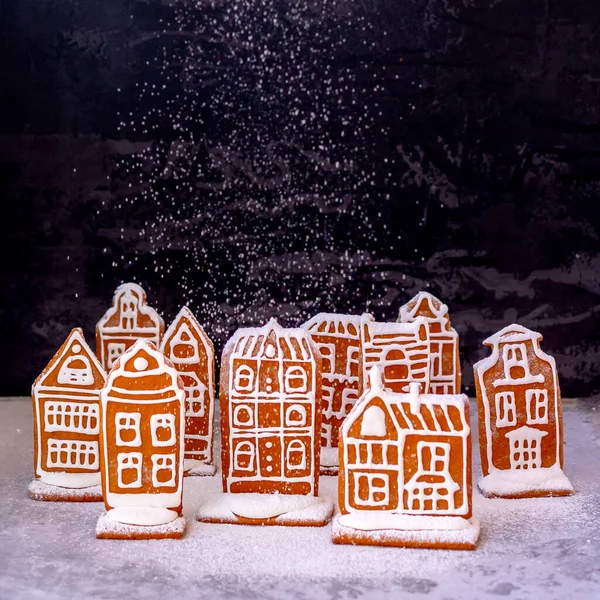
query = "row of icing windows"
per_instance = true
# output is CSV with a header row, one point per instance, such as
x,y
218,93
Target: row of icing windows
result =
x,y
129,470
296,415
75,417
295,380
244,456
69,454
536,404
128,433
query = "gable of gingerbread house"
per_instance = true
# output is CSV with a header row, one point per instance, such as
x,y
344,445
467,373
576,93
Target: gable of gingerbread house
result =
x,y
73,366
185,341
130,311
426,305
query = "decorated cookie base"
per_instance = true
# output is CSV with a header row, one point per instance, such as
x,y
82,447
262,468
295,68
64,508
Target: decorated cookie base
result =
x,y
405,531
525,483
38,490
109,529
266,509
330,461
196,468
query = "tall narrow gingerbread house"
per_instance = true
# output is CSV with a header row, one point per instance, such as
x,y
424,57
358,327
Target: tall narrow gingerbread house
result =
x,y
520,418
445,373
66,424
339,340
270,425
401,349
187,346
128,319
142,447
405,470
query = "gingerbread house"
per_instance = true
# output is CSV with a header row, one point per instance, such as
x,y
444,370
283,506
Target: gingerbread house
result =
x,y
445,374
142,446
401,349
520,418
187,346
339,340
270,425
405,470
128,319
66,424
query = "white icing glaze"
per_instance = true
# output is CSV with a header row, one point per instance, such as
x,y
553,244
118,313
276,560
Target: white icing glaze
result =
x,y
517,481
142,515
376,520
424,497
289,353
71,480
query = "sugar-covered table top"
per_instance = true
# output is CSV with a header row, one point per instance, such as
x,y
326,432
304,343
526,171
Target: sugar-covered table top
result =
x,y
546,548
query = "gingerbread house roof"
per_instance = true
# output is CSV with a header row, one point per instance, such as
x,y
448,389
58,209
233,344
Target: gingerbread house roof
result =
x,y
76,357
110,319
413,411
334,324
422,304
513,333
271,341
178,322
143,368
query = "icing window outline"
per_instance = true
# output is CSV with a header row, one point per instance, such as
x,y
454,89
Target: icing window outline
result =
x,y
373,423
537,406
292,420
114,350
129,461
243,415
166,422
244,379
296,380
506,409
73,454
76,375
378,489
243,457
295,456
128,422
164,462
75,417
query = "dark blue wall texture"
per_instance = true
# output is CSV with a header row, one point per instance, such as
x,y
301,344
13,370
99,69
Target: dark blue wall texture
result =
x,y
258,158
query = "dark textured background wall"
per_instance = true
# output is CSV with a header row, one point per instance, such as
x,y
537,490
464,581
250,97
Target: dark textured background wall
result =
x,y
258,158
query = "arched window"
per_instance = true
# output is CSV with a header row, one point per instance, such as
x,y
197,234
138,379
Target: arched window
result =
x,y
76,370
243,458
184,347
244,379
243,416
295,456
373,422
295,380
295,415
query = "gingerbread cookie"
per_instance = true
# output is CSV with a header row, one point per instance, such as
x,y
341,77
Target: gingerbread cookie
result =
x,y
401,349
270,424
520,418
66,424
188,347
445,374
339,340
405,470
142,416
127,320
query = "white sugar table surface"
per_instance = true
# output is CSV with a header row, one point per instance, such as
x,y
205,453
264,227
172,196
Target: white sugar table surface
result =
x,y
546,548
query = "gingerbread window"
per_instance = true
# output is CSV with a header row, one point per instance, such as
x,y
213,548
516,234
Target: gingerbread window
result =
x,y
295,380
129,469
244,379
373,423
296,455
295,415
243,416
162,429
115,349
537,406
371,489
243,458
516,366
128,429
76,370
163,470
506,410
